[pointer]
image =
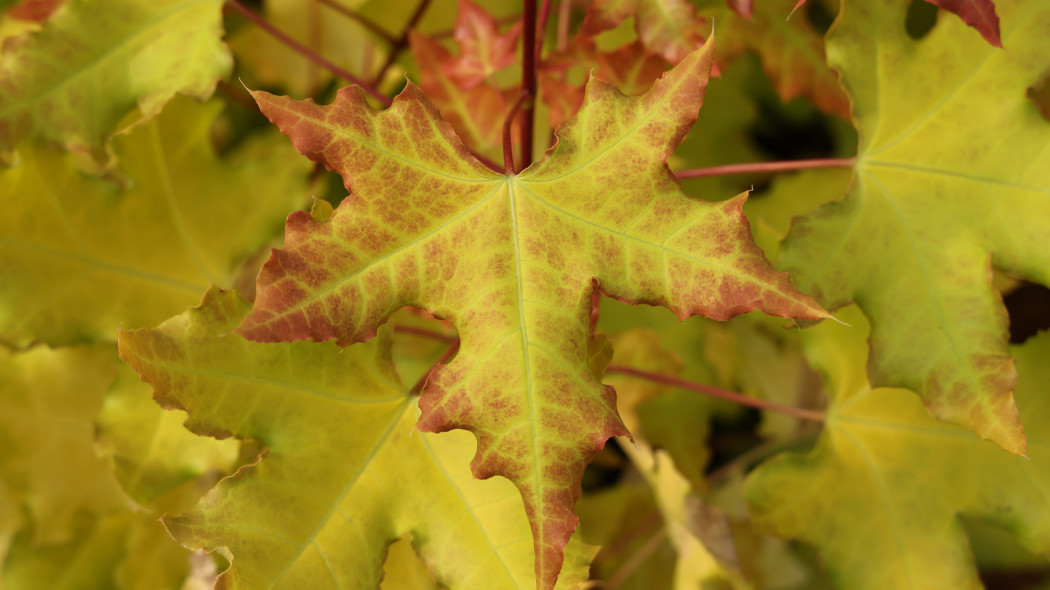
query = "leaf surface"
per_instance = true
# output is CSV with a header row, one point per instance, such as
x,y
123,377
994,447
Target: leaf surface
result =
x,y
512,261
81,256
47,400
952,176
152,452
905,476
71,83
342,475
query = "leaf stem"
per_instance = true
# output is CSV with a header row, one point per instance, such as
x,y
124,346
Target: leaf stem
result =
x,y
528,80
361,20
766,167
508,123
307,52
731,396
401,42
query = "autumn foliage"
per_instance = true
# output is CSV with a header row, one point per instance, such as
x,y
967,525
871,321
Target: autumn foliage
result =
x,y
605,294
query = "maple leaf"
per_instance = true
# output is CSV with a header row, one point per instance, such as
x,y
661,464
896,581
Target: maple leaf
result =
x,y
483,49
952,170
151,451
792,55
905,476
512,261
146,252
342,474
71,83
667,27
475,113
979,14
47,400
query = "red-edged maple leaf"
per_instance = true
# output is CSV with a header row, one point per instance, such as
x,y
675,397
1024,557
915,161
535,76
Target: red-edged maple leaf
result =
x,y
670,28
979,14
483,49
512,261
475,113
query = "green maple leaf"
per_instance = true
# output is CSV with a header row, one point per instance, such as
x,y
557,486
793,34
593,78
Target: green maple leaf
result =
x,y
145,252
512,261
90,65
342,476
48,398
152,452
904,477
952,168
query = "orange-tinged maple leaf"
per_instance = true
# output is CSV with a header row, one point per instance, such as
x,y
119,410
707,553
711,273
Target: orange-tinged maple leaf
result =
x,y
475,113
512,261
484,50
670,28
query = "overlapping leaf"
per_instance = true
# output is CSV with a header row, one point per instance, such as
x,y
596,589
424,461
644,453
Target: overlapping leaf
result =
x,y
152,452
670,28
792,54
342,475
87,68
81,256
952,176
47,400
904,476
512,262
79,529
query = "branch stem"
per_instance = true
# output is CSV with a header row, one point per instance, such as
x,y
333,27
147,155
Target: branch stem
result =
x,y
361,20
528,80
508,146
307,52
401,42
730,396
757,167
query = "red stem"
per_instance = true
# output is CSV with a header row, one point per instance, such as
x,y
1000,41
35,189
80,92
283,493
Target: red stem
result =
x,y
730,396
361,20
307,52
451,350
719,393
508,148
767,167
528,81
402,42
